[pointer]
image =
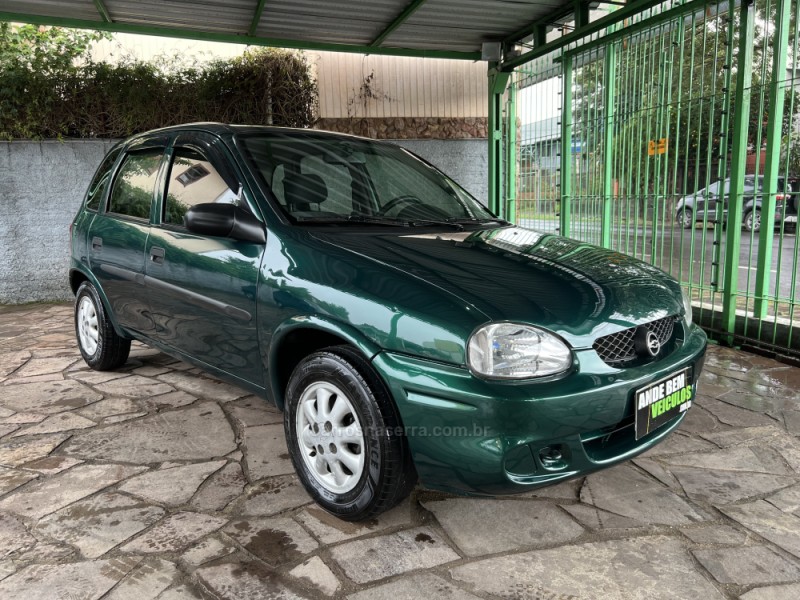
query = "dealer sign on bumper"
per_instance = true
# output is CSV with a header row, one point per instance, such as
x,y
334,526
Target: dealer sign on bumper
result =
x,y
662,401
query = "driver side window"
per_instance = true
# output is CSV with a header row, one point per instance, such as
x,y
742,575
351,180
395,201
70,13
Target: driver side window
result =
x,y
193,180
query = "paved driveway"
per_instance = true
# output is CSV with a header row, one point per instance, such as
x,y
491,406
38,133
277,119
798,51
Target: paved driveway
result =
x,y
158,482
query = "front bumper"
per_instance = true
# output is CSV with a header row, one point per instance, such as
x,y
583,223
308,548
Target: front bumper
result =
x,y
469,435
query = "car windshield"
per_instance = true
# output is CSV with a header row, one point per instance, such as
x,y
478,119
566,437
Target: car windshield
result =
x,y
329,180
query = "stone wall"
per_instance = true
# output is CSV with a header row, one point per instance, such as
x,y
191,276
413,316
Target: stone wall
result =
x,y
410,128
43,183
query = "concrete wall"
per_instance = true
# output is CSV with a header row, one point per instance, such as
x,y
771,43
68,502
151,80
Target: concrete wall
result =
x,y
43,183
41,186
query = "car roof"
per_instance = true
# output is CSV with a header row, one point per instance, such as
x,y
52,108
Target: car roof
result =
x,y
221,129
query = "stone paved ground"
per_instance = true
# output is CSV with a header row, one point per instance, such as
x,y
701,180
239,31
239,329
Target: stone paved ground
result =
x,y
156,482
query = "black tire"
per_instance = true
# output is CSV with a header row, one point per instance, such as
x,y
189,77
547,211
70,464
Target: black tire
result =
x,y
752,220
685,218
111,350
388,474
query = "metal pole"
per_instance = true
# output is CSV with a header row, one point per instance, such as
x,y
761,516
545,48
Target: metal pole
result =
x,y
566,147
744,72
777,94
497,86
610,73
511,153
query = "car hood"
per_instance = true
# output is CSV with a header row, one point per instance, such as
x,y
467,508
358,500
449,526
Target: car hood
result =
x,y
577,290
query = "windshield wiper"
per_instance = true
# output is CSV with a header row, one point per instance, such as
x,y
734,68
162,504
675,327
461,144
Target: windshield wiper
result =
x,y
426,222
501,222
354,219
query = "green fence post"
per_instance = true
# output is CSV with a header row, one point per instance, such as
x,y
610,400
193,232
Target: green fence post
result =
x,y
777,94
565,208
609,77
497,86
511,153
741,117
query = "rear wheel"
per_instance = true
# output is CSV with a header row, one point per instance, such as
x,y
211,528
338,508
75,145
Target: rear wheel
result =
x,y
100,346
685,218
345,437
752,220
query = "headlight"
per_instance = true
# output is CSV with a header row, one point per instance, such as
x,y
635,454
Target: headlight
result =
x,y
687,308
513,351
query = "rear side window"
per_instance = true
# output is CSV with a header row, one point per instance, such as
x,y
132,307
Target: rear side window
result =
x,y
100,180
193,180
133,189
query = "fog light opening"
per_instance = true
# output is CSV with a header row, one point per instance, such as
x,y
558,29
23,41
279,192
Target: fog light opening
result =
x,y
554,458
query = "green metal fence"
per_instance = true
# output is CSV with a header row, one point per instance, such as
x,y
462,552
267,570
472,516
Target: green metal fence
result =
x,y
674,136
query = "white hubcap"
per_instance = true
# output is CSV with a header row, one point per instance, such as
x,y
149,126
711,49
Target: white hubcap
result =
x,y
88,334
330,437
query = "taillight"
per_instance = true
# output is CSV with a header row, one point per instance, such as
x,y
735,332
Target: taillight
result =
x,y
780,197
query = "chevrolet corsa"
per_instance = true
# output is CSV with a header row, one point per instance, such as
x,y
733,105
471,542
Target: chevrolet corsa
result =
x,y
403,329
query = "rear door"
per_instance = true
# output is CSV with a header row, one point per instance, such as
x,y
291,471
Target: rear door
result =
x,y
118,235
203,288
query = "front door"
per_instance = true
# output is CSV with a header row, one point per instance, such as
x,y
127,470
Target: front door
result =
x,y
203,288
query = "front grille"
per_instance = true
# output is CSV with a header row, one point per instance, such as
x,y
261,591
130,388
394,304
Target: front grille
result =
x,y
618,349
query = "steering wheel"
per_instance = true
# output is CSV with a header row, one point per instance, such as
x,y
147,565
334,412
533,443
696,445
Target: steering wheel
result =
x,y
395,202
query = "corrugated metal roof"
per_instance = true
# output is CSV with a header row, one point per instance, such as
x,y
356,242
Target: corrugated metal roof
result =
x,y
435,25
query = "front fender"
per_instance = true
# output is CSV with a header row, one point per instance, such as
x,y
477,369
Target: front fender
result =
x,y
348,333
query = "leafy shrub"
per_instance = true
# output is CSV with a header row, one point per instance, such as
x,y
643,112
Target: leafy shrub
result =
x,y
49,88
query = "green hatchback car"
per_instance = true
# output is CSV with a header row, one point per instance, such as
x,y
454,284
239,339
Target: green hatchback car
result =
x,y
404,330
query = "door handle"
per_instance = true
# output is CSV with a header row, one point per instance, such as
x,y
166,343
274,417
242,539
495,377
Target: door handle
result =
x,y
97,244
157,255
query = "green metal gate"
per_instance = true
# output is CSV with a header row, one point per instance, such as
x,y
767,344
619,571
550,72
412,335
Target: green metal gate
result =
x,y
674,136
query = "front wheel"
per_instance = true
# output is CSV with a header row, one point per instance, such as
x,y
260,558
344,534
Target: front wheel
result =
x,y
752,220
100,346
345,437
685,218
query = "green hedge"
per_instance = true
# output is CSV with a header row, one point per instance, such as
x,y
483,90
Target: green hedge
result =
x,y
49,97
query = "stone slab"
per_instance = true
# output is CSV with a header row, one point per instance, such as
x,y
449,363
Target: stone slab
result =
x,y
771,523
474,526
203,386
221,488
100,523
47,496
330,530
380,557
266,454
624,491
175,533
173,486
317,574
726,487
239,580
651,567
84,580
274,495
423,585
276,541
48,397
747,565
773,592
146,582
195,433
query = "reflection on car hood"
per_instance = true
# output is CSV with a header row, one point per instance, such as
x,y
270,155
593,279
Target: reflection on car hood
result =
x,y
576,289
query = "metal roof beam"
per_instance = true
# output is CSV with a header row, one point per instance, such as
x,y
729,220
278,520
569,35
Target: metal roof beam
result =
x,y
625,12
398,20
232,37
256,17
101,8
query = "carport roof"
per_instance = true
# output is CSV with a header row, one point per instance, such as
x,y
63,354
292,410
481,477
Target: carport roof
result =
x,y
435,28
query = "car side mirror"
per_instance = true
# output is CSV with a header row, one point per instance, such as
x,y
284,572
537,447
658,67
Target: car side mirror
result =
x,y
225,220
